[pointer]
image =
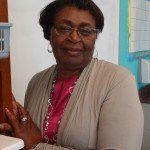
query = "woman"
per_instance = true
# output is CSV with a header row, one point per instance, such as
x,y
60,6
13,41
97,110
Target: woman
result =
x,y
81,102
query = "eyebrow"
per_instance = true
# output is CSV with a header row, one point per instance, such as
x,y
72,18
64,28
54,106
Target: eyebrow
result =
x,y
71,23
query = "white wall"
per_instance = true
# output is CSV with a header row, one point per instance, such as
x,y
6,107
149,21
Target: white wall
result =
x,y
108,43
29,49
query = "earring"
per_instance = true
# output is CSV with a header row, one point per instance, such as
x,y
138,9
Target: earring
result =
x,y
49,49
96,55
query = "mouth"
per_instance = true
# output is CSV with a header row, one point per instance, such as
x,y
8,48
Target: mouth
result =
x,y
73,51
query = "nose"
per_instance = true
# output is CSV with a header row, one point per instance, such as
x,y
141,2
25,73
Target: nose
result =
x,y
74,36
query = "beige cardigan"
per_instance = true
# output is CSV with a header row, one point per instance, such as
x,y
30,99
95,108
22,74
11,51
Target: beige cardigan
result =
x,y
104,111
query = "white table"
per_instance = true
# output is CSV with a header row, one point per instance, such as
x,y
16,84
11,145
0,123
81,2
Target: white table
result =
x,y
10,143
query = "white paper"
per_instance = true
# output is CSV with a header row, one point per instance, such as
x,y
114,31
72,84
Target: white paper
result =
x,y
139,25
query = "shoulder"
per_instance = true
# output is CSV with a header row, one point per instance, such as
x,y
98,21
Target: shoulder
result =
x,y
37,83
42,75
110,67
40,78
111,73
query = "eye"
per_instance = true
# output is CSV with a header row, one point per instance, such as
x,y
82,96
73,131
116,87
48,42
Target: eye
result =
x,y
63,28
86,31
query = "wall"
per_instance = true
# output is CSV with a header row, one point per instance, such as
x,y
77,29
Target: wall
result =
x,y
123,40
123,43
29,49
27,45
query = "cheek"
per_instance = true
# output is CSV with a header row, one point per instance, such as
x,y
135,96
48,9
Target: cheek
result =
x,y
89,46
55,42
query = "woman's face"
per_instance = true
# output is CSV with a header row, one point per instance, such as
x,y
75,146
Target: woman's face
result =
x,y
73,51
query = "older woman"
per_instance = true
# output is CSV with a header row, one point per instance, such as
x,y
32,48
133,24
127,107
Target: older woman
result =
x,y
81,102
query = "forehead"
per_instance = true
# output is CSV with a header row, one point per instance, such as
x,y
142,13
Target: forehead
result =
x,y
75,16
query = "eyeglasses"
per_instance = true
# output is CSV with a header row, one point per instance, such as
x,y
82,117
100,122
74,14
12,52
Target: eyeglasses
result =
x,y
84,32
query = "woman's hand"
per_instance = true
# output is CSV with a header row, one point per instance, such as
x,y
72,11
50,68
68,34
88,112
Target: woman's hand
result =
x,y
6,128
23,127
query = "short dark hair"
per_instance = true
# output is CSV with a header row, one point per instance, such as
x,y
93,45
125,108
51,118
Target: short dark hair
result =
x,y
48,13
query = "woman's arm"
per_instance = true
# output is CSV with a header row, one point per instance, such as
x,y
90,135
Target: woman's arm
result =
x,y
121,118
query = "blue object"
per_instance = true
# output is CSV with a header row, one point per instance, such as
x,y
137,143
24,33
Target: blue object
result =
x,y
4,39
136,55
126,59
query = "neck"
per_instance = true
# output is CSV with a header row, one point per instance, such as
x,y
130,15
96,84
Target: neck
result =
x,y
64,73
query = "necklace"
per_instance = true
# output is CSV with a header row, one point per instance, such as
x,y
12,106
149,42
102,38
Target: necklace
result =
x,y
52,109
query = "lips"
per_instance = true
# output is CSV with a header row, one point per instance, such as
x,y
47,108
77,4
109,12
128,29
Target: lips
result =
x,y
73,51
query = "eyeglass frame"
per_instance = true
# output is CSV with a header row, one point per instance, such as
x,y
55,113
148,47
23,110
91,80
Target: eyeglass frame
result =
x,y
96,31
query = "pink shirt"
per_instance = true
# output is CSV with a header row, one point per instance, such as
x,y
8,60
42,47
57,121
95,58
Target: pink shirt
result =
x,y
59,99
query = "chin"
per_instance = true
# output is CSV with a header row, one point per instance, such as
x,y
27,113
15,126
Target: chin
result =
x,y
74,63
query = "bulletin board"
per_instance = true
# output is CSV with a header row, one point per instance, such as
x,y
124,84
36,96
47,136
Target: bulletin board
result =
x,y
139,26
